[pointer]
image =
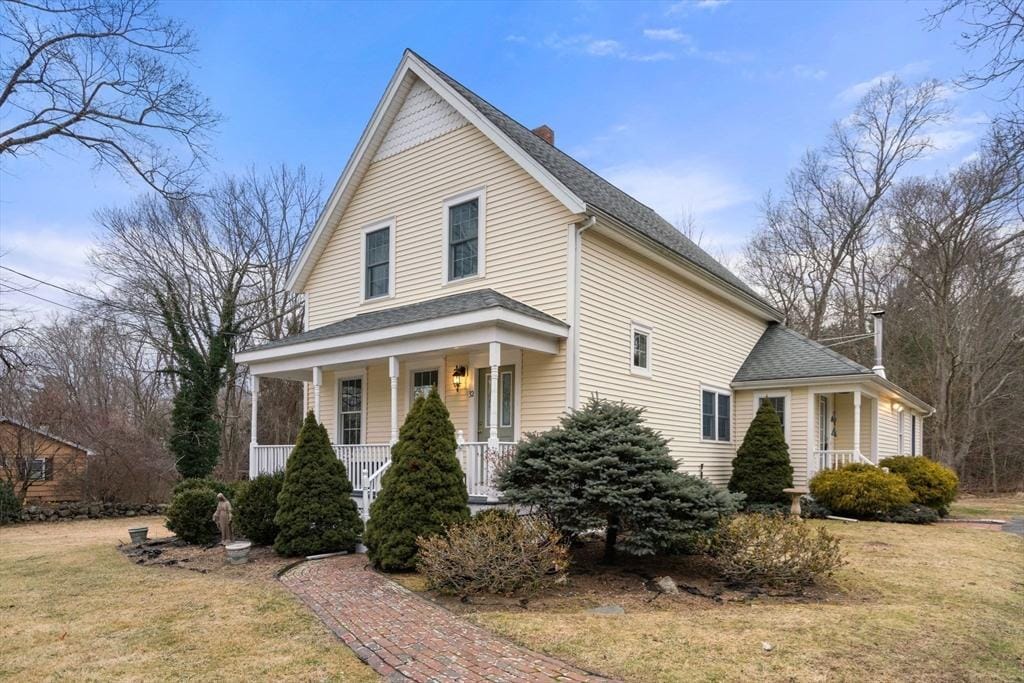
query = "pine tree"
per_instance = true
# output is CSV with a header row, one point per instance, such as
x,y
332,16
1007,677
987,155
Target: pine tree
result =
x,y
422,492
761,468
603,468
316,513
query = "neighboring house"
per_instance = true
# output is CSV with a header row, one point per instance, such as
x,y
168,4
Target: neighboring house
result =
x,y
47,467
462,250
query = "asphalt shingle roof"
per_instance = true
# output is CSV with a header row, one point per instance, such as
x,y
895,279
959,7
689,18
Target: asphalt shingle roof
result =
x,y
595,190
781,353
464,302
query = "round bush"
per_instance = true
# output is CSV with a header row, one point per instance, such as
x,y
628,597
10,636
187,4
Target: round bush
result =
x,y
256,506
495,552
774,551
932,484
190,515
10,504
860,490
227,488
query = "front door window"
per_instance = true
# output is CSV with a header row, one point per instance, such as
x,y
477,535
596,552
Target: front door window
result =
x,y
506,404
823,423
350,410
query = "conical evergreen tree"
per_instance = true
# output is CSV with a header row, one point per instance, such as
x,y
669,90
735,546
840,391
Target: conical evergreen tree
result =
x,y
603,468
761,468
315,513
422,492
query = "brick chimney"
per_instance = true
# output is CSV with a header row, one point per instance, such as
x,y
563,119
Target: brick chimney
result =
x,y
545,133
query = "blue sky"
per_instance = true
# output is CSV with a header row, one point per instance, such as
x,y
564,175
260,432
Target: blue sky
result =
x,y
693,107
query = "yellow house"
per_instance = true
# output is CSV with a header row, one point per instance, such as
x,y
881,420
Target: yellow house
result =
x,y
463,251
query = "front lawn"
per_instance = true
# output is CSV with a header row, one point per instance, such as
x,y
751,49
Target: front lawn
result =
x,y
74,608
915,603
988,507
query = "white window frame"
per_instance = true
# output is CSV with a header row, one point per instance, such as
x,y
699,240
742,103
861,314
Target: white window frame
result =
x,y
362,405
479,194
390,224
412,381
787,398
42,469
635,328
718,391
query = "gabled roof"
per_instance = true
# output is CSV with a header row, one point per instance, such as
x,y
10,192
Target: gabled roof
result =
x,y
43,432
454,304
577,187
782,353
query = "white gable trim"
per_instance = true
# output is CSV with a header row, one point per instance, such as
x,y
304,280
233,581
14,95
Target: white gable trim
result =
x,y
372,135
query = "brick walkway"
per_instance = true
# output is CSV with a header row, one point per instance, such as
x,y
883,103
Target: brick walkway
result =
x,y
406,638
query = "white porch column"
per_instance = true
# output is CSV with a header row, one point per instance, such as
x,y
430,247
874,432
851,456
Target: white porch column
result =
x,y
305,399
318,377
856,420
393,374
254,392
495,358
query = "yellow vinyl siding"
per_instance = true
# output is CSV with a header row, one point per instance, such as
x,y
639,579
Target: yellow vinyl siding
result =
x,y
526,243
697,339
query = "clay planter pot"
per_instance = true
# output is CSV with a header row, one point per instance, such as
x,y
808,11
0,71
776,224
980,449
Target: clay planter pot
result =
x,y
238,552
139,534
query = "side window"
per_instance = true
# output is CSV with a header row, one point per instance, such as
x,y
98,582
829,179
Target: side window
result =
x,y
377,263
716,415
463,239
640,349
913,434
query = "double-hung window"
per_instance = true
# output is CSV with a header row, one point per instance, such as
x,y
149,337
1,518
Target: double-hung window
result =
x,y
350,410
464,236
716,415
423,382
378,254
640,349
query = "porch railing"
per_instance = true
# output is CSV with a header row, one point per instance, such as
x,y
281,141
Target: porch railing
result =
x,y
366,464
830,460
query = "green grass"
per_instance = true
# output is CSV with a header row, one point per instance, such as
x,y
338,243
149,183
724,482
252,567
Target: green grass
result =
x,y
988,507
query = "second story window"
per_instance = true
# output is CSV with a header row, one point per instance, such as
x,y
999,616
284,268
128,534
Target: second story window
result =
x,y
464,236
378,253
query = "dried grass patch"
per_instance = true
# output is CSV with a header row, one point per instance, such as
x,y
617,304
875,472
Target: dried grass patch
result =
x,y
73,608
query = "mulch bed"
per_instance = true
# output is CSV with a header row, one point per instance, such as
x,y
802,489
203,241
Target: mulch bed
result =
x,y
171,552
629,584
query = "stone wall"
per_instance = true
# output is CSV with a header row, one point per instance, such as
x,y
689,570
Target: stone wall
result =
x,y
63,512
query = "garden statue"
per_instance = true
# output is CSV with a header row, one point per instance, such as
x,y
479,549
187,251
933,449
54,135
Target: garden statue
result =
x,y
222,517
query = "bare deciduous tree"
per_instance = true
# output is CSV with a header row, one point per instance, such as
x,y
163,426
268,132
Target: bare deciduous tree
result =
x,y
104,75
806,254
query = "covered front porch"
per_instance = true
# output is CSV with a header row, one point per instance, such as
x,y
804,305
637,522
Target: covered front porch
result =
x,y
361,384
844,428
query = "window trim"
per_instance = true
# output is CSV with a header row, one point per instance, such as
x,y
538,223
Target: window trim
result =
x,y
479,194
900,433
787,397
390,224
718,391
43,470
913,434
362,404
412,381
636,327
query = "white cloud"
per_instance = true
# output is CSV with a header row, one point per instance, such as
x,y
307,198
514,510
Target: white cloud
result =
x,y
590,46
809,72
515,38
685,6
49,253
670,34
678,188
855,92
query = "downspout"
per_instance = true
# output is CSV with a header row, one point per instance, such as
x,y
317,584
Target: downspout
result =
x,y
574,310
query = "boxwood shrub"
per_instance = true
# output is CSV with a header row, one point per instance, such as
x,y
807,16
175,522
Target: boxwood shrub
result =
x,y
190,515
860,490
255,507
932,484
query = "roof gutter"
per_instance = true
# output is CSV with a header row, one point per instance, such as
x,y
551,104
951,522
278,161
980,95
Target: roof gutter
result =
x,y
729,289
836,379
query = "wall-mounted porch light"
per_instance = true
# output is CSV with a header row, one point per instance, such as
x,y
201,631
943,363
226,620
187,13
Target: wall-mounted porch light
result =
x,y
458,375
